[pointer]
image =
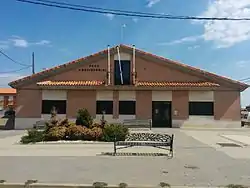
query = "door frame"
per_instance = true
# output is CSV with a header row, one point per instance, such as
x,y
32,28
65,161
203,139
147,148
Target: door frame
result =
x,y
169,106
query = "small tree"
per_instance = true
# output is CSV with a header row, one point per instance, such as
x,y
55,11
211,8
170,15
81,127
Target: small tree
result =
x,y
53,113
84,118
103,121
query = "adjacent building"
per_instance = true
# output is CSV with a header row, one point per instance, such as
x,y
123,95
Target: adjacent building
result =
x,y
7,98
128,83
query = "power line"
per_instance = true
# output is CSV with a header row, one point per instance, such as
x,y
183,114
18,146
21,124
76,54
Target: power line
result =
x,y
8,57
124,13
245,79
99,8
15,70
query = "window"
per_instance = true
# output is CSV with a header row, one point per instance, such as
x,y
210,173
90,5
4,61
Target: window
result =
x,y
201,108
127,107
125,66
60,105
1,102
106,106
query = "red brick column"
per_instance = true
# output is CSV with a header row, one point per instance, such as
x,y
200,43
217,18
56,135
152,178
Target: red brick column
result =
x,y
29,103
5,102
227,105
14,102
115,104
180,104
143,104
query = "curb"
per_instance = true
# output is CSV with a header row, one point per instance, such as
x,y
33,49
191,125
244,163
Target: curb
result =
x,y
236,141
54,185
69,143
215,129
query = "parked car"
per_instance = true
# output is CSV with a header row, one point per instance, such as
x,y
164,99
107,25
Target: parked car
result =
x,y
245,117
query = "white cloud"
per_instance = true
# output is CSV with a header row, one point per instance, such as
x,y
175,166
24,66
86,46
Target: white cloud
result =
x,y
227,33
150,3
43,42
135,20
21,43
110,16
193,47
8,77
183,40
242,64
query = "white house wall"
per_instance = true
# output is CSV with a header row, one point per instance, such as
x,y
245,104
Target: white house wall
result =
x,y
123,56
48,116
161,95
54,95
201,96
104,95
127,96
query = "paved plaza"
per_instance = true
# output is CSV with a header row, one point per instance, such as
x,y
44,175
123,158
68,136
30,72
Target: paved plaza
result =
x,y
198,161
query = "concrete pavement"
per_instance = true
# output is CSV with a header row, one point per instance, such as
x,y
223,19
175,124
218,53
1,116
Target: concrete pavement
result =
x,y
198,161
195,163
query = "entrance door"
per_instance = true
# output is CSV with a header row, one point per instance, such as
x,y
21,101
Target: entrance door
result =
x,y
161,114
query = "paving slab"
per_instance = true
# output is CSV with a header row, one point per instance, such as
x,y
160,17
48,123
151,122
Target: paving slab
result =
x,y
243,139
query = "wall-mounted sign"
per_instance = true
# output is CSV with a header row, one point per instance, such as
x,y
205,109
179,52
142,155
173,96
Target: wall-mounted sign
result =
x,y
94,66
92,70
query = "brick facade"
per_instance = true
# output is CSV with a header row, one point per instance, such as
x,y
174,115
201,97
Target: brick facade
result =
x,y
150,68
77,99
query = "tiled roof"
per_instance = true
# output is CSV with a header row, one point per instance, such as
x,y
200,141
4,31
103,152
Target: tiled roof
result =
x,y
7,91
177,84
71,83
139,83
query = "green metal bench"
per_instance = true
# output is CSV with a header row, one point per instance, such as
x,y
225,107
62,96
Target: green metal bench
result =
x,y
138,123
161,141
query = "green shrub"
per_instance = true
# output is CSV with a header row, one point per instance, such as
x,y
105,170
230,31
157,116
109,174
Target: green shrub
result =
x,y
123,185
33,136
95,125
96,133
163,184
75,132
56,133
56,123
50,124
235,186
100,184
114,131
84,118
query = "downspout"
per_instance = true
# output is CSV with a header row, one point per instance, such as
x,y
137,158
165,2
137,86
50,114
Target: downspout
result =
x,y
109,80
133,69
120,66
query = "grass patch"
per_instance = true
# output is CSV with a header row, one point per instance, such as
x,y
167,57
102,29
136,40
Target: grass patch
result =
x,y
236,186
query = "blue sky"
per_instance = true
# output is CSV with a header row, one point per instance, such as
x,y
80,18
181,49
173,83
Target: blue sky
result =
x,y
58,36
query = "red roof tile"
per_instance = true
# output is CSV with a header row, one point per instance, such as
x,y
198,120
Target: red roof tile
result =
x,y
71,83
177,84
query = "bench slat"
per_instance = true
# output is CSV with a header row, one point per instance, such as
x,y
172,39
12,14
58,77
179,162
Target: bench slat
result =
x,y
131,143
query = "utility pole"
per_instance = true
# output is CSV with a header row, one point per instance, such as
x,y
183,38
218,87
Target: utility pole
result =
x,y
33,63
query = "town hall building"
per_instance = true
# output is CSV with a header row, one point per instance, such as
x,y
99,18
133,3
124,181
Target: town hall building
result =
x,y
127,83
